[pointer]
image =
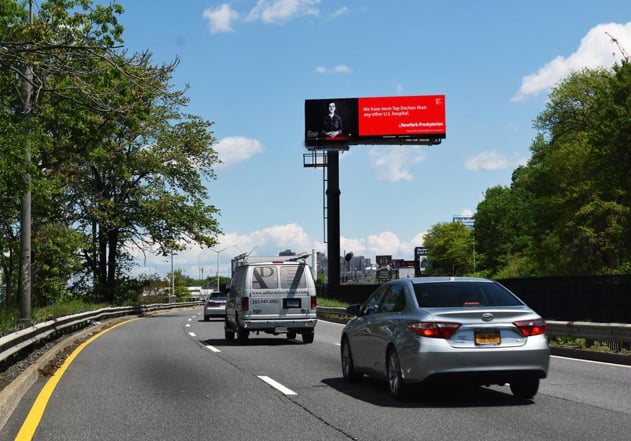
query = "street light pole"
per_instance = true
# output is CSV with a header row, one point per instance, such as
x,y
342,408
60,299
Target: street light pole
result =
x,y
219,252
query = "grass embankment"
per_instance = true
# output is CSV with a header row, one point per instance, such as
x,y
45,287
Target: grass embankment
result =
x,y
10,316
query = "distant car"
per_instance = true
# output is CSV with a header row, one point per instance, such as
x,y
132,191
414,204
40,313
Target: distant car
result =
x,y
215,305
446,328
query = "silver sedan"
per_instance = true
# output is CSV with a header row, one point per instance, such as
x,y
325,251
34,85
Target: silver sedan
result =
x,y
446,328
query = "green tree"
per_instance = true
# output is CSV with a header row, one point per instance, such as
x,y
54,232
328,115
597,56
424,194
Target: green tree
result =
x,y
503,224
567,210
118,161
135,178
450,247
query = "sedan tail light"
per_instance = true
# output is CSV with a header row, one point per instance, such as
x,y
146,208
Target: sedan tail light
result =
x,y
529,328
434,329
213,304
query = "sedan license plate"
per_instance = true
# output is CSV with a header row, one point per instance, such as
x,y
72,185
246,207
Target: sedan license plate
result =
x,y
487,338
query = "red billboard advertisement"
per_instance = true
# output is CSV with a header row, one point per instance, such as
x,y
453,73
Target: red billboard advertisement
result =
x,y
402,115
376,120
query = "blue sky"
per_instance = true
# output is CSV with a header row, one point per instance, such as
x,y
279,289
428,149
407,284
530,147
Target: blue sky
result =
x,y
250,65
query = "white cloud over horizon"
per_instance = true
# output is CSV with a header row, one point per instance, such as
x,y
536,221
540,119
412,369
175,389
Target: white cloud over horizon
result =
x,y
195,260
595,50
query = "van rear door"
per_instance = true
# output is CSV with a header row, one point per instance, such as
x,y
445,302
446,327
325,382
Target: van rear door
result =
x,y
265,292
295,283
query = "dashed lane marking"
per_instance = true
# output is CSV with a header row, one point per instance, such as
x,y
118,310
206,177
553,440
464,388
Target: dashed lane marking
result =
x,y
276,385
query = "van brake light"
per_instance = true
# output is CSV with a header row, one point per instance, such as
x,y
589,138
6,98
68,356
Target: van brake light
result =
x,y
245,303
314,302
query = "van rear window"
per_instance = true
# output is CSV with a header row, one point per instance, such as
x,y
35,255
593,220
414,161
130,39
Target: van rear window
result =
x,y
293,277
264,277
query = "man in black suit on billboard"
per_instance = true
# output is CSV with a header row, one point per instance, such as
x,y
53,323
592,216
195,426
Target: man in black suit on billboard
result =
x,y
332,123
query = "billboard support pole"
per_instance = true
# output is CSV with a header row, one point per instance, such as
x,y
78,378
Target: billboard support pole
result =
x,y
333,222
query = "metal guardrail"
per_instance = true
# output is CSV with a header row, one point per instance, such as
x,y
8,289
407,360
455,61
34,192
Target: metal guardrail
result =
x,y
15,342
614,332
609,332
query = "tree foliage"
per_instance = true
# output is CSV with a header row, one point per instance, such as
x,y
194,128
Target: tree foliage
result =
x,y
116,161
451,249
567,210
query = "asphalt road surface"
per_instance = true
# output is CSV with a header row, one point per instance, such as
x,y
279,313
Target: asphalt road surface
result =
x,y
174,377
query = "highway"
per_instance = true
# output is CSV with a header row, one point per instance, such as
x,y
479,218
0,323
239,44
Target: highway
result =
x,y
173,377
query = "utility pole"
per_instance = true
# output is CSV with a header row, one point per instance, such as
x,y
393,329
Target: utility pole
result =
x,y
25,222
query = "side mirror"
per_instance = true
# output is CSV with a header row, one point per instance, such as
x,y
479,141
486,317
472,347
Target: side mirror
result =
x,y
353,309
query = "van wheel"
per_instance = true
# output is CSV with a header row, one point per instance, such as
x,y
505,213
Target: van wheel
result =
x,y
229,333
307,336
243,335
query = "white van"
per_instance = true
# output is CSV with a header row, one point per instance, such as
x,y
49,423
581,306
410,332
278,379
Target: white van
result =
x,y
275,295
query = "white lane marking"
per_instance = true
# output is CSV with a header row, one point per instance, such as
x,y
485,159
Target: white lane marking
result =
x,y
188,325
192,334
276,385
212,348
592,361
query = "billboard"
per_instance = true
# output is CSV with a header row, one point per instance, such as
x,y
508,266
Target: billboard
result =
x,y
468,221
375,120
421,260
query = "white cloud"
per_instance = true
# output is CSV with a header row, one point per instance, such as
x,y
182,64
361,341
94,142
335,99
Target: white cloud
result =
x,y
487,161
393,164
341,11
220,18
235,149
196,261
596,49
340,68
281,11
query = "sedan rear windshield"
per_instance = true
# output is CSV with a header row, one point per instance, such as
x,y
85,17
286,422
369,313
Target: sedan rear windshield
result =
x,y
463,294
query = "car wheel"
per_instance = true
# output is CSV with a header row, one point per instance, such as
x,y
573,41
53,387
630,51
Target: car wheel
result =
x,y
525,388
291,335
348,366
242,335
206,318
396,385
307,336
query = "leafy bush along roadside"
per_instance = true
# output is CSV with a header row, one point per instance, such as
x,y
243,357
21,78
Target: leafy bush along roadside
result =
x,y
10,316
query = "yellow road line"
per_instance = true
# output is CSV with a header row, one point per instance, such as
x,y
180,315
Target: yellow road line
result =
x,y
27,431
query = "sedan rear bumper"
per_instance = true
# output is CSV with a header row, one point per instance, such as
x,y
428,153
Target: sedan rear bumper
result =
x,y
483,365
